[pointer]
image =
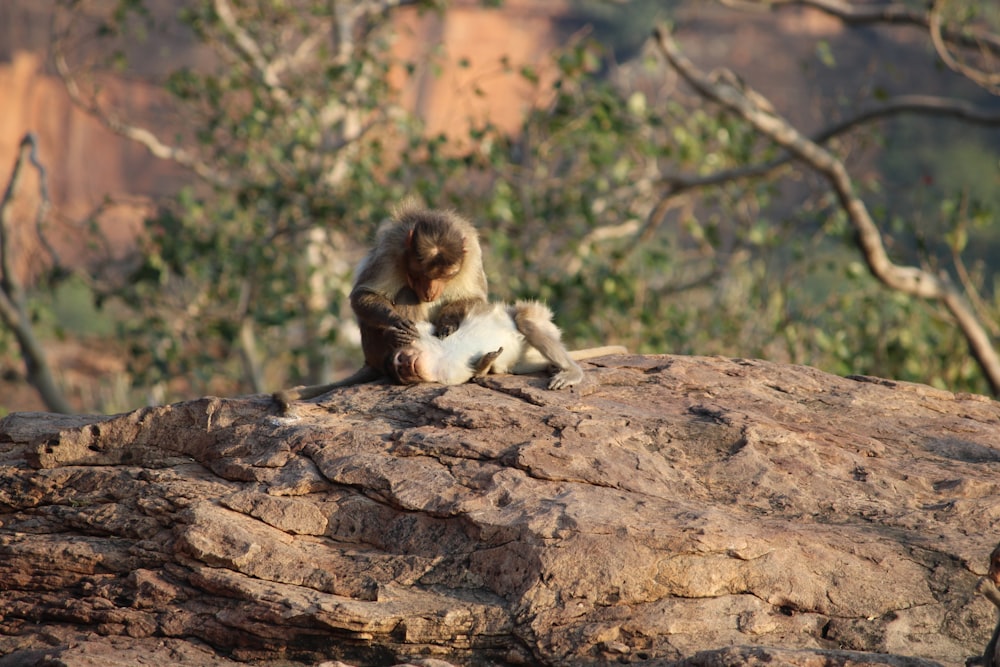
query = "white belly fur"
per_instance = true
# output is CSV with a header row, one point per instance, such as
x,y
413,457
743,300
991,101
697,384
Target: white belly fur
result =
x,y
479,334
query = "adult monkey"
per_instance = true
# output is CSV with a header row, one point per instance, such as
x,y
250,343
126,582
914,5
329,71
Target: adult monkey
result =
x,y
495,338
426,266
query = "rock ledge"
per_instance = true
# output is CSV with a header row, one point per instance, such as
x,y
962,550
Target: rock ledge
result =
x,y
670,511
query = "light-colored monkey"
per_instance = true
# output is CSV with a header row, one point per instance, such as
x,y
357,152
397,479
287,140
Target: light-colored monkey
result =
x,y
494,338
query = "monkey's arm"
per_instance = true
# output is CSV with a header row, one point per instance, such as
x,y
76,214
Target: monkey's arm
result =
x,y
451,314
376,311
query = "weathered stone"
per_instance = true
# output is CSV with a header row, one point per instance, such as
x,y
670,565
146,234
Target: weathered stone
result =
x,y
671,510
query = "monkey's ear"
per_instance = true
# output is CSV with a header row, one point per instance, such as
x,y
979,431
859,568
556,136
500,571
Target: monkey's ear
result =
x,y
409,239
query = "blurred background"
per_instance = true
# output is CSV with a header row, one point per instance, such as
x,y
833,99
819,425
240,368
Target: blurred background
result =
x,y
189,184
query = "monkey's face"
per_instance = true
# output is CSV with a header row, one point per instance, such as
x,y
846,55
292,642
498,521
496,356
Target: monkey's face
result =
x,y
429,280
427,290
434,256
405,366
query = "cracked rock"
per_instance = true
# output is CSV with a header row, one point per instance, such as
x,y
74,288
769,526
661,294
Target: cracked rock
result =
x,y
669,511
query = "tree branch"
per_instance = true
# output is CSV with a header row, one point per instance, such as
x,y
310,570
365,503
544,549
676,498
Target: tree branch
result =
x,y
13,304
887,12
926,105
725,89
267,73
142,136
990,82
252,368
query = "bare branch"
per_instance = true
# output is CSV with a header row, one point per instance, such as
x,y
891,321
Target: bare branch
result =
x,y
352,16
150,141
252,368
925,105
990,82
364,9
575,263
303,53
726,90
657,215
10,286
13,305
267,73
886,12
45,204
971,290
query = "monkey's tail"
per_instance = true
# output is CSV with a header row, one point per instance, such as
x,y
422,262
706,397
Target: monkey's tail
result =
x,y
593,352
285,397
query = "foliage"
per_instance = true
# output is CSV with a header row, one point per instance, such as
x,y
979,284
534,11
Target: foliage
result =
x,y
571,210
298,163
622,31
567,220
292,123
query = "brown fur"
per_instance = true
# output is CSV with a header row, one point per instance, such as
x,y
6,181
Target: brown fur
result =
x,y
426,266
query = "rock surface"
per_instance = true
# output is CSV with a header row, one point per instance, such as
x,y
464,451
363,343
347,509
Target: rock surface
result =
x,y
671,510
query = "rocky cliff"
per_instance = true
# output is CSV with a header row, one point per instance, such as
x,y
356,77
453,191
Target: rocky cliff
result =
x,y
671,510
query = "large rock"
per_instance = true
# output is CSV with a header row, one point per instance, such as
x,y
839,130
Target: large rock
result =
x,y
671,510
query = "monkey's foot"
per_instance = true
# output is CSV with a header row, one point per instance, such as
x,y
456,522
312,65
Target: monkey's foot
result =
x,y
566,378
485,362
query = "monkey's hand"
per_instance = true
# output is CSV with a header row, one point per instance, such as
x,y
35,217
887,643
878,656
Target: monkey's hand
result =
x,y
452,314
402,333
485,362
447,324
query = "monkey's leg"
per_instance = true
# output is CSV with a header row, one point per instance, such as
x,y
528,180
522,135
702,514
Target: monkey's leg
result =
x,y
285,397
534,321
485,363
375,311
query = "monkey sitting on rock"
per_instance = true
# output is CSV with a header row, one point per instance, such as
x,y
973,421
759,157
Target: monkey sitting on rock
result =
x,y
426,266
494,338
420,301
